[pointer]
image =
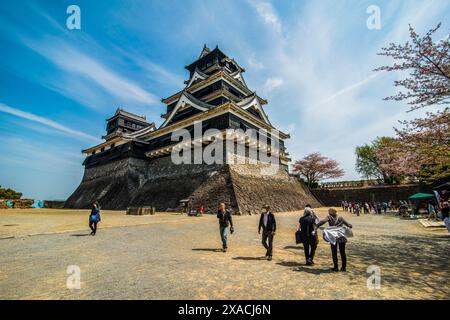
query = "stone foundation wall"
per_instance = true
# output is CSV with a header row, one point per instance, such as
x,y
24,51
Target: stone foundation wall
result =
x,y
333,197
161,184
113,184
282,192
166,184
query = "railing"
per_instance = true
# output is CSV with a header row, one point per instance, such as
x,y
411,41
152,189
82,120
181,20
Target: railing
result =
x,y
350,184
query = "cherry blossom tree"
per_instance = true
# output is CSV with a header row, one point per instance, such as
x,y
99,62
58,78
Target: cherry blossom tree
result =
x,y
315,167
428,64
422,148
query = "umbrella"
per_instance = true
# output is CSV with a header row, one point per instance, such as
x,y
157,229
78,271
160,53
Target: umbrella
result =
x,y
421,196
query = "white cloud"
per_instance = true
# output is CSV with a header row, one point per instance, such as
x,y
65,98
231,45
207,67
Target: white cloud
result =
x,y
348,89
255,64
151,69
268,14
272,83
47,122
79,64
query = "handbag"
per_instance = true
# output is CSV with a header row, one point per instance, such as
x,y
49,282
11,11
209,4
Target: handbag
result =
x,y
348,232
298,237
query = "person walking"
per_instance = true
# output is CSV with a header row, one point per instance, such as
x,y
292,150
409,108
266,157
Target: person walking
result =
x,y
268,225
94,218
308,235
346,206
357,209
384,205
366,208
431,211
445,210
339,237
224,216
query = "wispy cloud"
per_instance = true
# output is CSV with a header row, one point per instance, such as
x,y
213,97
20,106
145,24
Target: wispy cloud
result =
x,y
268,14
255,64
272,83
151,69
348,89
46,122
77,63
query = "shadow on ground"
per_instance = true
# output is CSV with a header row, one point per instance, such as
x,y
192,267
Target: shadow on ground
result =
x,y
249,258
207,249
312,270
297,247
412,260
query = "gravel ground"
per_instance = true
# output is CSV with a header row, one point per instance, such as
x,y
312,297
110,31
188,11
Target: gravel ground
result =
x,y
168,256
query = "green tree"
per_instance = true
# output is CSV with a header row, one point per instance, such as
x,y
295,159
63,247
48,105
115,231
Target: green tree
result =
x,y
9,194
368,161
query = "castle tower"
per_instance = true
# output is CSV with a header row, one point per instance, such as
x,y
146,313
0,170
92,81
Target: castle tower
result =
x,y
134,167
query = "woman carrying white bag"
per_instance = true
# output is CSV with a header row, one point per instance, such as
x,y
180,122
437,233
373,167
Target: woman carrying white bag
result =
x,y
336,234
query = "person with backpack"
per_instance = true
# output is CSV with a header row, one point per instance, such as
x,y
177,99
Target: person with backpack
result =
x,y
94,218
308,235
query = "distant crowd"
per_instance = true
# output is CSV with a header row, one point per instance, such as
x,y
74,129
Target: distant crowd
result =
x,y
433,211
358,207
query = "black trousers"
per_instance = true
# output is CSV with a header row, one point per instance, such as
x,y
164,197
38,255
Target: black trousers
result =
x,y
267,241
93,226
310,249
334,248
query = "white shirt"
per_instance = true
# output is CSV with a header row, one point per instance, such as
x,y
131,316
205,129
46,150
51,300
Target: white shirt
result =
x,y
265,218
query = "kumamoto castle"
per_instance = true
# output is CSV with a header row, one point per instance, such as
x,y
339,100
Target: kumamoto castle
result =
x,y
133,166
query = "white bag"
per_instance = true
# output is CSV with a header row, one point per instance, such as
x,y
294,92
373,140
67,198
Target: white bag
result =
x,y
348,232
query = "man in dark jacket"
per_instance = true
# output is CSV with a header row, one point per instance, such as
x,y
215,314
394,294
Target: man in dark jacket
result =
x,y
308,234
225,220
269,225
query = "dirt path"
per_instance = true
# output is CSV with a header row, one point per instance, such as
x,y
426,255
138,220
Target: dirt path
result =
x,y
168,256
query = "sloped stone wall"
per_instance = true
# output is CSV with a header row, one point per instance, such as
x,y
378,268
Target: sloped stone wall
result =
x,y
161,184
166,184
279,190
113,184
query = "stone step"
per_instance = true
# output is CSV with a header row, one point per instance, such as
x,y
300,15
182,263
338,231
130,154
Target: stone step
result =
x,y
430,223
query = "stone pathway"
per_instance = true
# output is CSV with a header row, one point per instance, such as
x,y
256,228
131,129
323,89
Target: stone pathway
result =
x,y
168,256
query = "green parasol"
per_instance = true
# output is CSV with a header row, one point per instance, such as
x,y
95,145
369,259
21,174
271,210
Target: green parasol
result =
x,y
421,196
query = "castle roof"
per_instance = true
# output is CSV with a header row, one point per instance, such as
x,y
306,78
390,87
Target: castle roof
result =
x,y
129,115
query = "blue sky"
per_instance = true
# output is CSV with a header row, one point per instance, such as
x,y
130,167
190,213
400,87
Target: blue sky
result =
x,y
312,60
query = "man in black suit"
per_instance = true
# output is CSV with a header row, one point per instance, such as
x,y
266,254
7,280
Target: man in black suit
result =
x,y
269,225
308,234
